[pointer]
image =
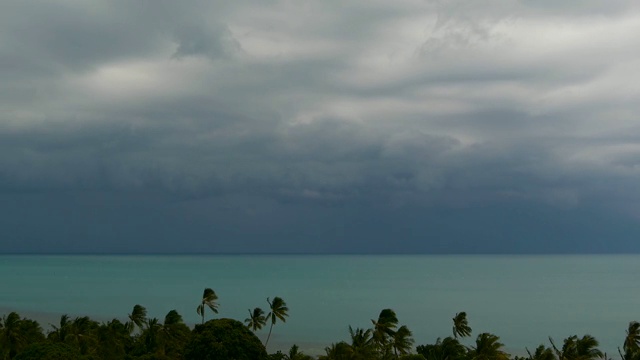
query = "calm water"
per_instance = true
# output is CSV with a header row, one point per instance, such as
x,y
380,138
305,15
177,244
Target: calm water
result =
x,y
523,299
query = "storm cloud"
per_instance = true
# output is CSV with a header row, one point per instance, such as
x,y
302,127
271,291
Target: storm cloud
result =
x,y
309,126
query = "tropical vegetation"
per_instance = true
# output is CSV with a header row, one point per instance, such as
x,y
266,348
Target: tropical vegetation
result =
x,y
278,310
209,300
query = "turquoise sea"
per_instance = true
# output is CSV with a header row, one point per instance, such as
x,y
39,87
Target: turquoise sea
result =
x,y
523,299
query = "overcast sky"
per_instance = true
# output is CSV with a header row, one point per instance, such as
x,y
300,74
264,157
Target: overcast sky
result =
x,y
455,126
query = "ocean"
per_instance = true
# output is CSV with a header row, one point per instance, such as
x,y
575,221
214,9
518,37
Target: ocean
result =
x,y
522,299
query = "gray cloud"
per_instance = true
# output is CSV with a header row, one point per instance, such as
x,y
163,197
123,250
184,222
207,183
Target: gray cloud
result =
x,y
319,124
196,40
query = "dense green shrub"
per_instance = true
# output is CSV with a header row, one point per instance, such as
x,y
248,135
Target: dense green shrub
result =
x,y
16,334
49,351
412,357
224,339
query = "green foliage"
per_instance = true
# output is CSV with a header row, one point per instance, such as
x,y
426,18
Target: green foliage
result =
x,y
256,319
339,351
402,341
362,346
412,357
137,318
461,325
631,345
278,310
173,318
49,351
16,334
445,349
224,339
155,340
163,340
154,357
174,335
113,340
575,348
488,347
296,354
60,333
86,339
209,300
82,335
278,355
383,341
542,353
384,329
150,336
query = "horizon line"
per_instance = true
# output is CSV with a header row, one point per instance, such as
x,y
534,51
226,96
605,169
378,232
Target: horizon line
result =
x,y
311,253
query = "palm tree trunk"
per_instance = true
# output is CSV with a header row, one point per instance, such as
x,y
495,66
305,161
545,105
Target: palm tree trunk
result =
x,y
268,336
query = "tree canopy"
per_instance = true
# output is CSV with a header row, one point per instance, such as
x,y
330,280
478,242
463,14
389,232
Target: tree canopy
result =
x,y
224,339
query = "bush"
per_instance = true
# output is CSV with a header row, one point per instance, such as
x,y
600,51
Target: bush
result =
x,y
224,339
49,351
412,357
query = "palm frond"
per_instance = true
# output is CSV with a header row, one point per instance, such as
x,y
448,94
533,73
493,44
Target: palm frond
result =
x,y
461,325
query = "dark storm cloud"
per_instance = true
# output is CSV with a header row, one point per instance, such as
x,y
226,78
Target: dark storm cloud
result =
x,y
276,126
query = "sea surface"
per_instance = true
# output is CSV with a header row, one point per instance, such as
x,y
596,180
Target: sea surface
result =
x,y
522,299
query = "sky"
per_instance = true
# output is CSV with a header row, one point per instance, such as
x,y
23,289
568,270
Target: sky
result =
x,y
361,126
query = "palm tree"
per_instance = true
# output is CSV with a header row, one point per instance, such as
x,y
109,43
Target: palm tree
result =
x,y
542,353
384,329
402,342
585,348
461,325
296,354
361,344
339,351
17,333
83,334
446,349
173,334
150,336
10,336
113,340
279,310
59,334
209,298
172,318
138,317
488,347
256,319
631,344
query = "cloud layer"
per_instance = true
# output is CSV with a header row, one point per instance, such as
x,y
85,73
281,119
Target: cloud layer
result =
x,y
366,126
